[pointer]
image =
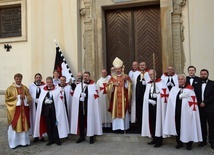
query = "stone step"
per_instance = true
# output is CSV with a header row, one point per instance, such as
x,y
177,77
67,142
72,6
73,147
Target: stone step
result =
x,y
127,137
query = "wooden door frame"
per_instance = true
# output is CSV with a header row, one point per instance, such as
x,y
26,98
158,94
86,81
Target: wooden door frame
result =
x,y
136,47
93,33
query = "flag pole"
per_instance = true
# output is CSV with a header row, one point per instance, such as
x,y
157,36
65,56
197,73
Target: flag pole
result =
x,y
153,57
83,105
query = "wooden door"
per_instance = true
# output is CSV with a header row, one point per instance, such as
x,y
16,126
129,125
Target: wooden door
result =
x,y
134,34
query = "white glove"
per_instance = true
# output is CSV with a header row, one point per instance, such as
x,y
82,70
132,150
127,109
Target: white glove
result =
x,y
154,95
169,84
83,95
18,103
183,95
25,101
48,101
126,85
82,98
152,102
36,100
143,82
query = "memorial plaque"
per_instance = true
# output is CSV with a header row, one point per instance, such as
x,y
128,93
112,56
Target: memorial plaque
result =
x,y
10,22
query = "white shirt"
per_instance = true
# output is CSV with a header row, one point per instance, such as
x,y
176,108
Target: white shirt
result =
x,y
203,86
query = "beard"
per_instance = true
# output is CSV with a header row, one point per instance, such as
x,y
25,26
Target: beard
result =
x,y
204,78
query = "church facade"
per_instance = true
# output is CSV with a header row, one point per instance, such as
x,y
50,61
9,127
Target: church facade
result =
x,y
91,33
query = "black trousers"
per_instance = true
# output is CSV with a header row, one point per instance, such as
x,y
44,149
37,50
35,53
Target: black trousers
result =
x,y
82,119
207,117
152,123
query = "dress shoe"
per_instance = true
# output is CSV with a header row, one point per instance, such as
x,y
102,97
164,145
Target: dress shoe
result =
x,y
80,140
58,143
189,147
49,143
151,143
179,145
35,139
212,146
91,140
42,139
120,131
202,144
158,145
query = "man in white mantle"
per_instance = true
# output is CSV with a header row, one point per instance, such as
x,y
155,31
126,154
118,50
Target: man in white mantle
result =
x,y
103,99
182,115
65,93
51,116
35,91
85,110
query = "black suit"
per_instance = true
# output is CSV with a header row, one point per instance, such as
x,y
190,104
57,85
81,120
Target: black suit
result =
x,y
196,80
206,113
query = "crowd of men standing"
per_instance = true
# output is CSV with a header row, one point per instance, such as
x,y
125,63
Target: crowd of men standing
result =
x,y
173,105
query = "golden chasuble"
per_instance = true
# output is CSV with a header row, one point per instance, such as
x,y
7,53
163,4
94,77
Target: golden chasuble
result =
x,y
119,96
18,116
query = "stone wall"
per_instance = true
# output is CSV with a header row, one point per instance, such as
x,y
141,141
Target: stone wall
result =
x,y
3,117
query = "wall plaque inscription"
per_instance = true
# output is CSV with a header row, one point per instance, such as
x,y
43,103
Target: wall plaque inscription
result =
x,y
10,22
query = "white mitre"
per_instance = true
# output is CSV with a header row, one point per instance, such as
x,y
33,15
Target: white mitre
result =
x,y
117,63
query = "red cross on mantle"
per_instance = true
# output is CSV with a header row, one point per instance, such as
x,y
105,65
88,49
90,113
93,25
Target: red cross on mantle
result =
x,y
165,95
96,95
72,93
103,88
194,103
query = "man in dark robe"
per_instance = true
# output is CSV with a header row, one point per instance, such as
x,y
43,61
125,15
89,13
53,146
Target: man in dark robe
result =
x,y
139,79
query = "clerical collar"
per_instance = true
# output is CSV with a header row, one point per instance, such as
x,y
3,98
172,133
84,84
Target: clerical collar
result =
x,y
18,85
